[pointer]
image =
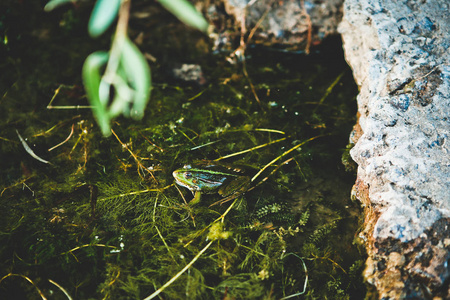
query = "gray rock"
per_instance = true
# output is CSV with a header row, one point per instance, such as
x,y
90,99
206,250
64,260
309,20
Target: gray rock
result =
x,y
399,53
291,23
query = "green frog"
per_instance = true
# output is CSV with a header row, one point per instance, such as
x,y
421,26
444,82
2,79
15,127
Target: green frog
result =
x,y
211,178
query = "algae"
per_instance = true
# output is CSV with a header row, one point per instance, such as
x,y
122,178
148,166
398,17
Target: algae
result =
x,y
105,219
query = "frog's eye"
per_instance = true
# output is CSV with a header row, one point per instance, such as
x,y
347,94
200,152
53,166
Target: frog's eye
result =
x,y
188,175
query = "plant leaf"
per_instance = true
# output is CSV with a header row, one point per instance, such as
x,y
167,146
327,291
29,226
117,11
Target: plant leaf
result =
x,y
137,72
52,4
186,12
91,79
103,14
123,95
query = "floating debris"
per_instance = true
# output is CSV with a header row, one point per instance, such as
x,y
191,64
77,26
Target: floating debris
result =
x,y
30,151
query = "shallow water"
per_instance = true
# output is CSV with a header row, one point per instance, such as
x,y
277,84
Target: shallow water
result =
x,y
104,218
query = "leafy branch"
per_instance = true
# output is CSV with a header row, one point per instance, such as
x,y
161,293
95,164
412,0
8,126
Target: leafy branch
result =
x,y
119,81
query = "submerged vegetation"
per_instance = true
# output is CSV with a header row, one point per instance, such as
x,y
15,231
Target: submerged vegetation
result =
x,y
104,220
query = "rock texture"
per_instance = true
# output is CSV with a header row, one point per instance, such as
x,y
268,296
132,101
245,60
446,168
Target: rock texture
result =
x,y
400,55
288,23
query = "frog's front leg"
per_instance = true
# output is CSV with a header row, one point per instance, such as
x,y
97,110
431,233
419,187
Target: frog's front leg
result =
x,y
196,199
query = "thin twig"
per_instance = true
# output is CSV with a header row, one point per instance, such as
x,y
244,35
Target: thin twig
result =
x,y
270,130
172,280
199,94
240,51
186,205
273,171
62,289
332,261
135,193
221,218
232,197
60,124
50,106
153,144
114,280
251,149
329,90
70,107
88,245
62,143
252,87
160,235
27,279
264,15
204,145
256,129
16,184
306,276
308,20
134,156
285,153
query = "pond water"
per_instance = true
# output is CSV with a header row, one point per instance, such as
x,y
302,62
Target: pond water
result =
x,y
104,219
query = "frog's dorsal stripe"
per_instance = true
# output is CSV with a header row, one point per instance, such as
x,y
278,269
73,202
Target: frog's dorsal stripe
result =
x,y
211,172
209,181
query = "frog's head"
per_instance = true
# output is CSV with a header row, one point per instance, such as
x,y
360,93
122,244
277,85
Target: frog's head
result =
x,y
201,179
186,177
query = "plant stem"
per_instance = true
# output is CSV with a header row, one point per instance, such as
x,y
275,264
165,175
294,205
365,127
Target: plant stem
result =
x,y
172,280
119,38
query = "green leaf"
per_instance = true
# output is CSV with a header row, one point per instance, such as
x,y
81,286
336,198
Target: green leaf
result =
x,y
123,95
52,4
186,12
103,14
91,79
137,72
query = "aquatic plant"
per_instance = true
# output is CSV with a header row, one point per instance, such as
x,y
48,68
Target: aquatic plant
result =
x,y
105,219
124,68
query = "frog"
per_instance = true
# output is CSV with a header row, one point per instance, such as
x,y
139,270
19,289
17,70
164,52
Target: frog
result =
x,y
211,178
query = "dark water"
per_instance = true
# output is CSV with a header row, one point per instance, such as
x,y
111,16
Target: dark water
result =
x,y
104,219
